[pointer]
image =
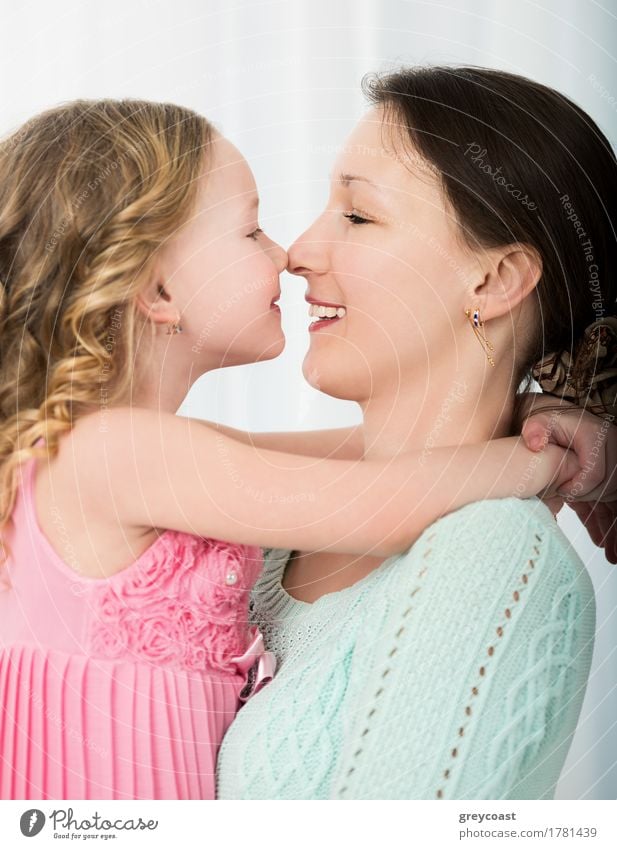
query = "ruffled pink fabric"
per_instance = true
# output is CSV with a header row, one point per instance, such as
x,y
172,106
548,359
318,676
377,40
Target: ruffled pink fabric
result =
x,y
177,608
122,688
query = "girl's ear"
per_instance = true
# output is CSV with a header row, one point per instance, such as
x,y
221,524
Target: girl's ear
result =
x,y
153,300
509,277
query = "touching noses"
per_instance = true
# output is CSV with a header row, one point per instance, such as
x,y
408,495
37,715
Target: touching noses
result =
x,y
308,254
278,255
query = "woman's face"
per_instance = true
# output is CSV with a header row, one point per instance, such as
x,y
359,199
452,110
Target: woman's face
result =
x,y
387,250
223,271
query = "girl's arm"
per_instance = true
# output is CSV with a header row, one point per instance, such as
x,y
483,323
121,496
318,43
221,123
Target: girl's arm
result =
x,y
347,443
147,469
340,443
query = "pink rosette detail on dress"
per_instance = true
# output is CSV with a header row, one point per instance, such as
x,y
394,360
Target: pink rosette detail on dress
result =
x,y
183,603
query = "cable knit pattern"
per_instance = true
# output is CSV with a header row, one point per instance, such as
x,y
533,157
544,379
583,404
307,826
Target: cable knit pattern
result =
x,y
121,687
456,670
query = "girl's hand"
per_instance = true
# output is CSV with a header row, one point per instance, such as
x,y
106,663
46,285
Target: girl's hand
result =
x,y
592,490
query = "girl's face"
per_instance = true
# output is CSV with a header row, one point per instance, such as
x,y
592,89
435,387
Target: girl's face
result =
x,y
386,250
222,271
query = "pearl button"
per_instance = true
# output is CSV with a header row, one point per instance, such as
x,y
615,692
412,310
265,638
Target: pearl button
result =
x,y
231,579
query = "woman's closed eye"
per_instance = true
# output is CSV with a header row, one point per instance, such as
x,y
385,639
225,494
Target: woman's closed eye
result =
x,y
255,234
354,218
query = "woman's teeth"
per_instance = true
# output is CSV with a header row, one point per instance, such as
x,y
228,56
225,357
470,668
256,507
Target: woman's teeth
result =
x,y
316,311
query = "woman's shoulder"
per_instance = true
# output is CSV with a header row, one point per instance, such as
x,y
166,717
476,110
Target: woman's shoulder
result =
x,y
497,513
485,632
493,540
491,521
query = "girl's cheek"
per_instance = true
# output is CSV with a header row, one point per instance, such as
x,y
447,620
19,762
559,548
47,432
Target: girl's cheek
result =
x,y
264,269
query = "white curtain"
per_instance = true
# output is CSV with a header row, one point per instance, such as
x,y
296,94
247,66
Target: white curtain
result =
x,y
281,79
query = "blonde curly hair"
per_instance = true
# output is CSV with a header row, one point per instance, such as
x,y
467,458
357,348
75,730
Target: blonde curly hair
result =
x,y
88,191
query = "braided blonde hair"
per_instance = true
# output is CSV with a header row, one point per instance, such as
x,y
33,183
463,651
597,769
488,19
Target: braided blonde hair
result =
x,y
88,191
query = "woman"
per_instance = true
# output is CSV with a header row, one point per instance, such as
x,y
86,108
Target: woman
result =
x,y
458,669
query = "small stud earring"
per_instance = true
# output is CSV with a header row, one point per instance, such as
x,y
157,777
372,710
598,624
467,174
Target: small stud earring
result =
x,y
174,327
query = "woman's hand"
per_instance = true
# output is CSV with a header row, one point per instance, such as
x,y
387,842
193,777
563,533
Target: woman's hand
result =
x,y
592,491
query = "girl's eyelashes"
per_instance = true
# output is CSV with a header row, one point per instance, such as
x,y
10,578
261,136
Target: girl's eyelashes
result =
x,y
254,234
354,218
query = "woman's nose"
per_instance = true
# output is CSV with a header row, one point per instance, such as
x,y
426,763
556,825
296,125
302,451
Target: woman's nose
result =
x,y
307,254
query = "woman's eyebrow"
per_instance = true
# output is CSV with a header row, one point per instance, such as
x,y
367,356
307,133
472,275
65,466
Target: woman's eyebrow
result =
x,y
346,179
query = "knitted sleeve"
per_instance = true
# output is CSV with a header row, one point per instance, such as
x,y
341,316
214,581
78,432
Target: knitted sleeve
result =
x,y
474,684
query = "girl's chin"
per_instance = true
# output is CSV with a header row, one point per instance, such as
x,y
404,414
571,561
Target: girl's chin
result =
x,y
250,354
274,350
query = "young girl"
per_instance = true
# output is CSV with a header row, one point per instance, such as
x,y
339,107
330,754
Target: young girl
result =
x,y
131,263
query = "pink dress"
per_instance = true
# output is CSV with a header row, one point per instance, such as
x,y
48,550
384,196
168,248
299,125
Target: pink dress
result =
x,y
121,687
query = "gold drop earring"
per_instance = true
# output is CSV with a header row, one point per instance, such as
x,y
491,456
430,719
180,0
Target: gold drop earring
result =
x,y
477,324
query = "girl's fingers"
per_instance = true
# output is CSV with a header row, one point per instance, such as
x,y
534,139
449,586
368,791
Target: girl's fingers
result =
x,y
535,433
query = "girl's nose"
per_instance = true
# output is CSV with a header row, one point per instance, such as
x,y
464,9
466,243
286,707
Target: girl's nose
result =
x,y
278,255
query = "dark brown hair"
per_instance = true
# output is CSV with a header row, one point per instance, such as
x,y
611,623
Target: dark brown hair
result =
x,y
520,163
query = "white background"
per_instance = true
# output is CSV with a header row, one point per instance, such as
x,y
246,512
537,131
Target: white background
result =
x,y
281,79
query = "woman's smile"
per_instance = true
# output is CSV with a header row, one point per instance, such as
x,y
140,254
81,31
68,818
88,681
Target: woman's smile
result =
x,y
325,312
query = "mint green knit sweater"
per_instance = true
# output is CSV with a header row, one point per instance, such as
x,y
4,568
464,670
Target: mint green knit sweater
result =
x,y
455,670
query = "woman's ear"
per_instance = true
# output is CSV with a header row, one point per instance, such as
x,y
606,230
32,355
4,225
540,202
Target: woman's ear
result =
x,y
510,274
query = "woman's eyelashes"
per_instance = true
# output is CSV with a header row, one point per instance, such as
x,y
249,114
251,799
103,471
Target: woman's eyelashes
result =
x,y
355,218
255,234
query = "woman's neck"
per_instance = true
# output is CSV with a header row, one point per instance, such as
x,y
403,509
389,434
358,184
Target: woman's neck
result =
x,y
454,411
